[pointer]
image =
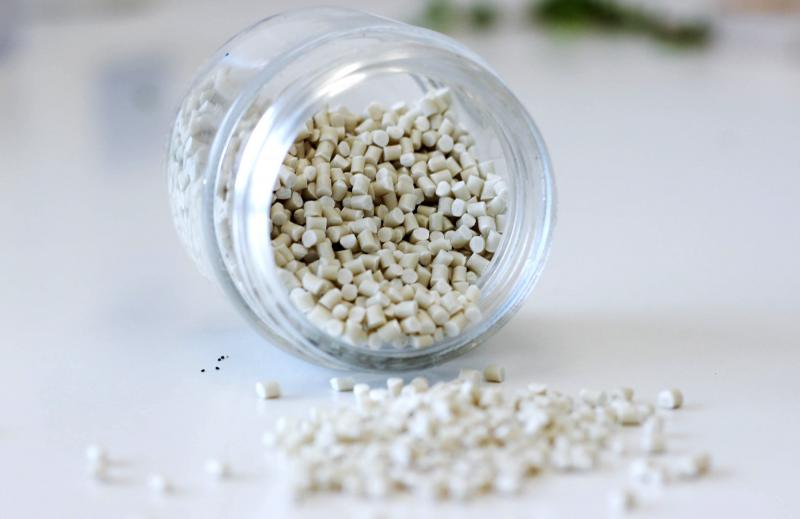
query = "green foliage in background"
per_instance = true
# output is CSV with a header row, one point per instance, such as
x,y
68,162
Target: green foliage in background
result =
x,y
570,15
445,16
612,16
482,15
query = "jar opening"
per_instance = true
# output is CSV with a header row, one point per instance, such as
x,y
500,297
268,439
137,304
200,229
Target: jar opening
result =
x,y
386,63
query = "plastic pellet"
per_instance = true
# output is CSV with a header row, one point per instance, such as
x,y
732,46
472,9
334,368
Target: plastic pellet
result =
x,y
216,469
394,385
492,241
420,384
670,399
342,384
268,389
621,393
360,390
476,244
380,138
653,442
334,327
159,483
331,298
691,466
455,325
477,264
375,317
470,375
96,454
627,413
494,373
646,472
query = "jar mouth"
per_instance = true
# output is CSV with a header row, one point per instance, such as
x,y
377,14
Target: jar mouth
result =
x,y
394,62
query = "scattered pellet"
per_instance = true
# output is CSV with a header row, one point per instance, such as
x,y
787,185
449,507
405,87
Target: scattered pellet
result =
x,y
268,389
420,384
621,393
494,373
96,454
342,383
216,469
670,399
463,438
647,472
159,483
691,466
394,385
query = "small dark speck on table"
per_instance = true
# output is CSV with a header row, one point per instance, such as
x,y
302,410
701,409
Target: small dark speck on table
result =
x,y
219,359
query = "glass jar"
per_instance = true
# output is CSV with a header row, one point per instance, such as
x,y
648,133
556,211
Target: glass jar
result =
x,y
242,113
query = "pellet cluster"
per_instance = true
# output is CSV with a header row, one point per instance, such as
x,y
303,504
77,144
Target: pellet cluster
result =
x,y
463,438
383,223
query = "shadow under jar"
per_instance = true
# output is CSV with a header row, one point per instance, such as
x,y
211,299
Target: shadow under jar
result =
x,y
242,114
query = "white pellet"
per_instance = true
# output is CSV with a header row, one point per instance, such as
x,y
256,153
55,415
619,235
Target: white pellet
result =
x,y
96,454
492,241
380,138
476,244
455,325
420,384
653,442
360,390
646,472
313,284
394,385
494,373
333,327
445,144
472,313
470,375
331,298
159,483
375,317
670,399
477,263
627,413
268,389
621,393
216,469
691,466
342,384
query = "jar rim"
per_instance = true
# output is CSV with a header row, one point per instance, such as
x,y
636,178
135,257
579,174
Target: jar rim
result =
x,y
263,154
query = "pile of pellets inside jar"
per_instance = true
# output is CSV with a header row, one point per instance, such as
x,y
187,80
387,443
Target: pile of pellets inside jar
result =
x,y
460,439
382,224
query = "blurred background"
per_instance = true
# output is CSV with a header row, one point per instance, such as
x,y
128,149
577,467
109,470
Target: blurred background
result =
x,y
694,101
673,126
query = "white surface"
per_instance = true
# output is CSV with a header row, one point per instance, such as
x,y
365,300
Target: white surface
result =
x,y
674,263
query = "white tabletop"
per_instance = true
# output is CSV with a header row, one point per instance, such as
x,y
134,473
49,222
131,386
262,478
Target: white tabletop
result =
x,y
675,263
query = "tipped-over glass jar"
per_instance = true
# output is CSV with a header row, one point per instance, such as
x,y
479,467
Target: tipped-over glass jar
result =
x,y
246,108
